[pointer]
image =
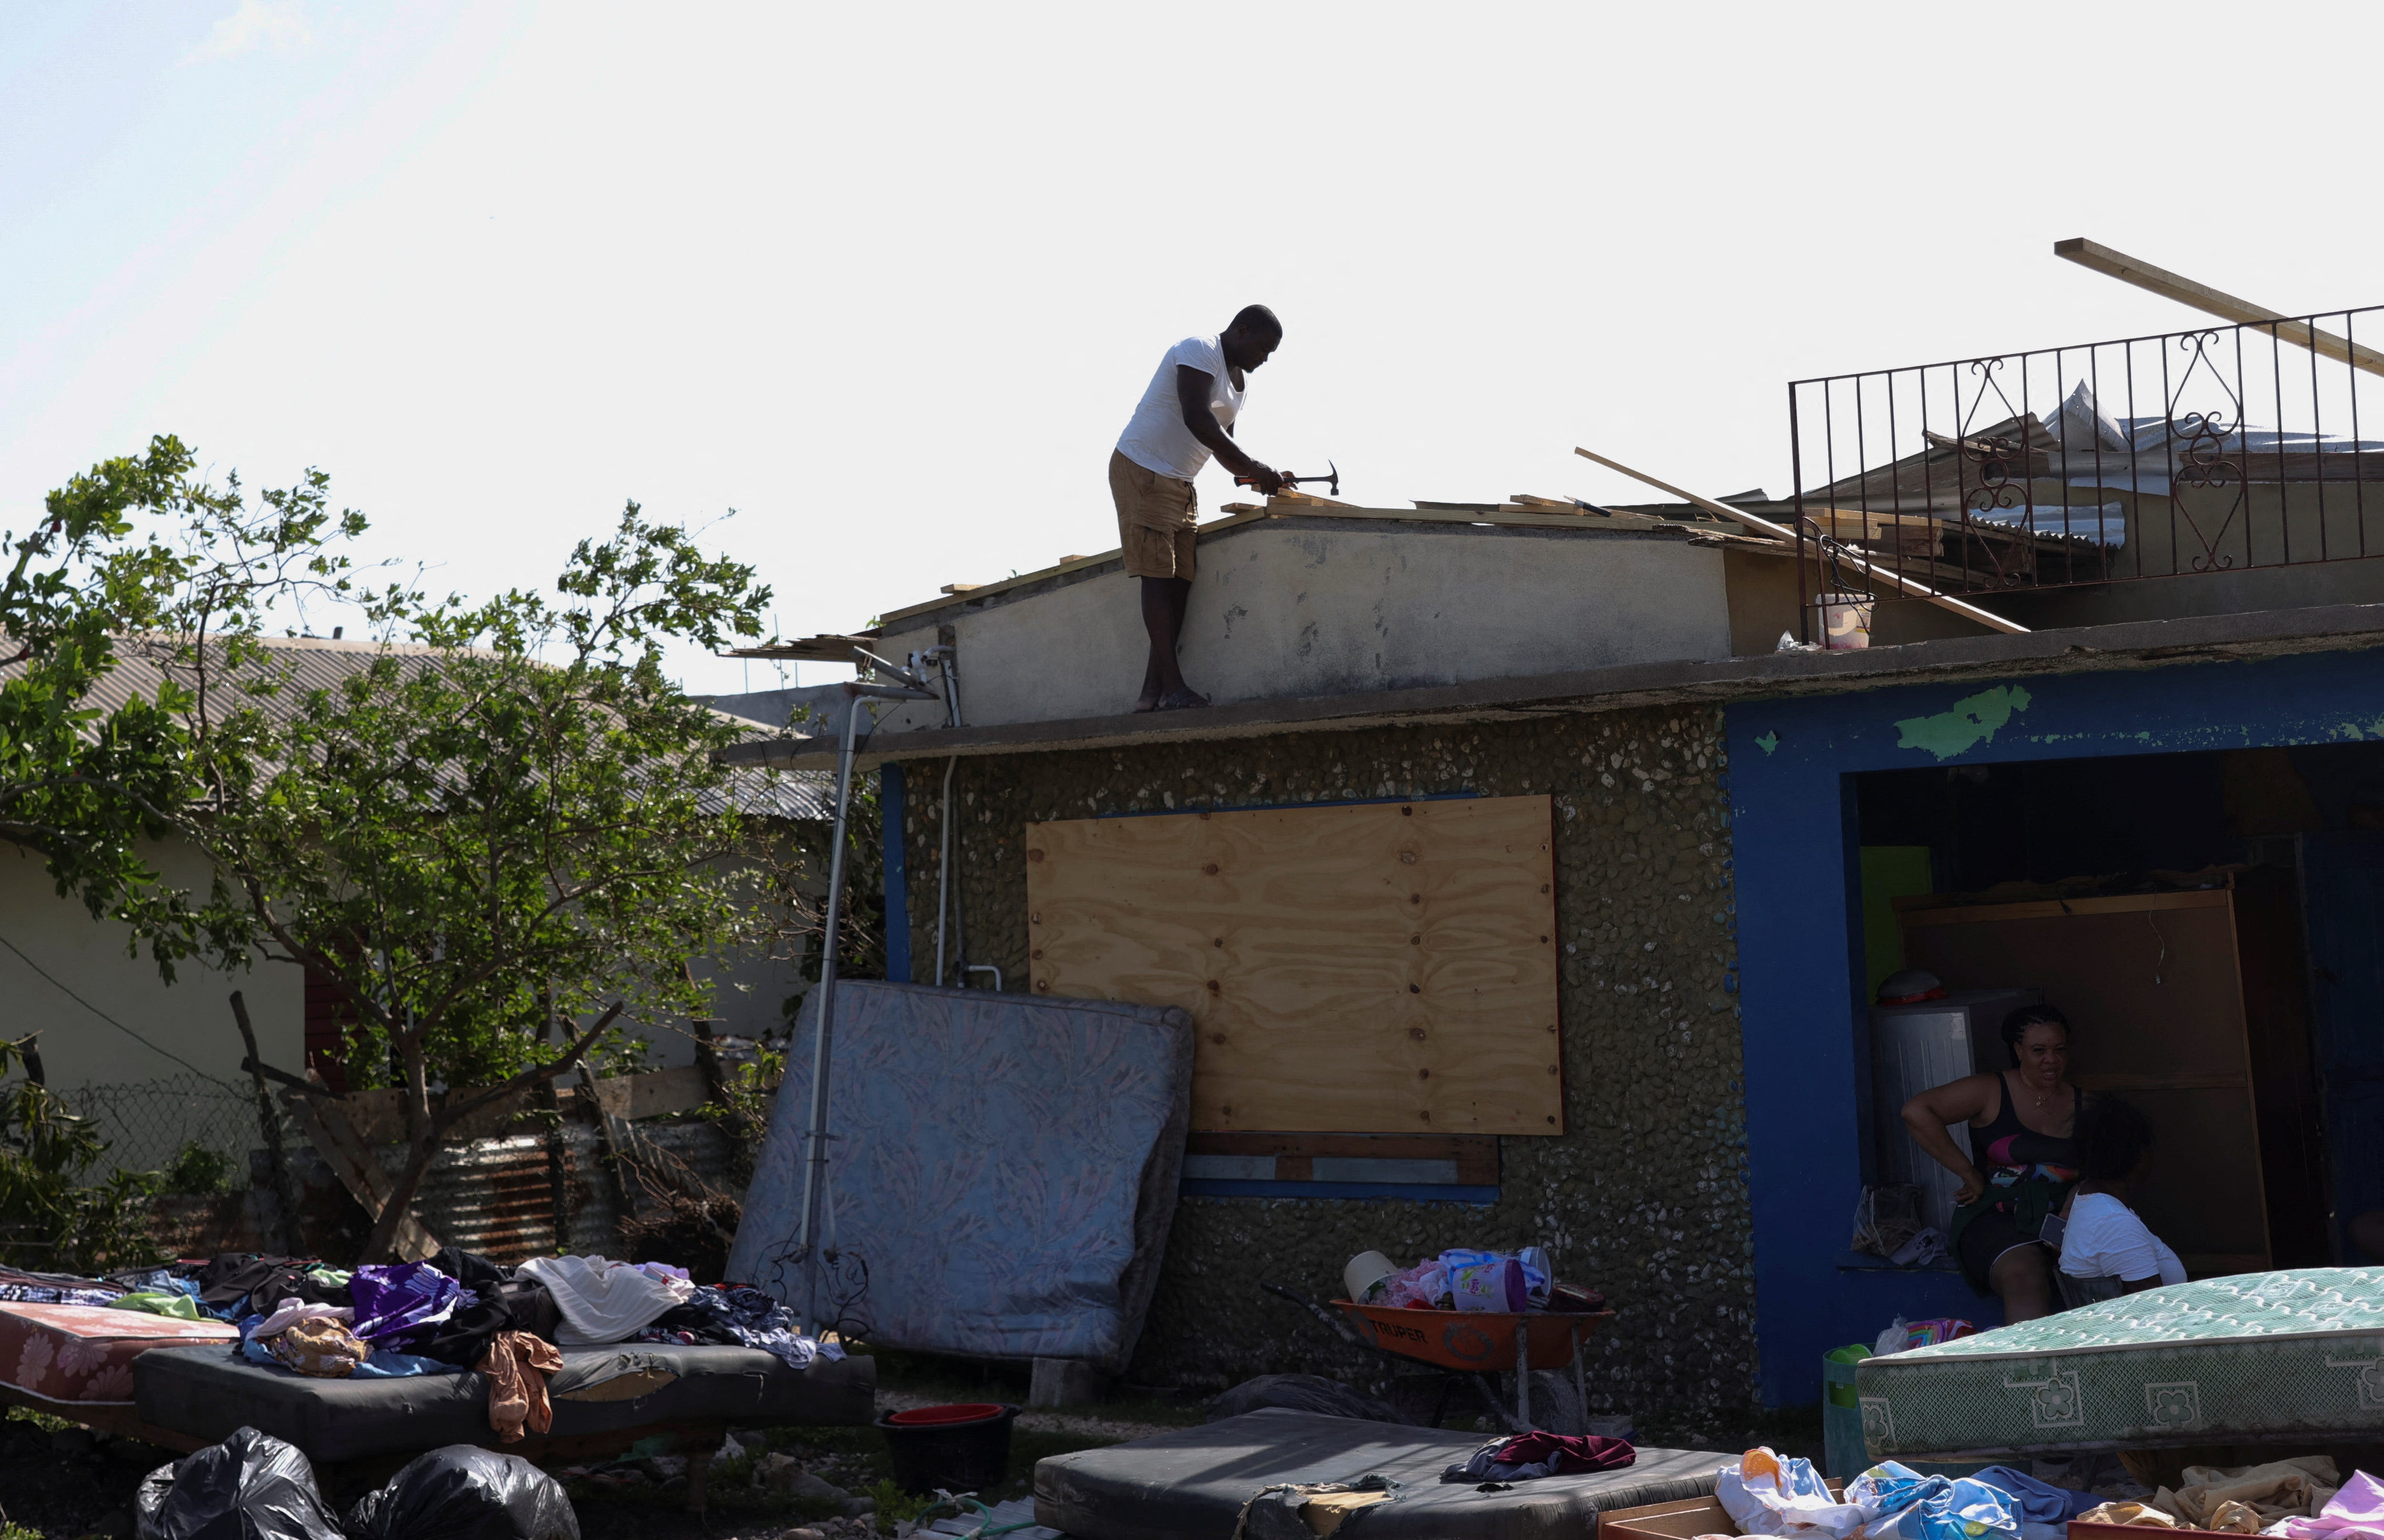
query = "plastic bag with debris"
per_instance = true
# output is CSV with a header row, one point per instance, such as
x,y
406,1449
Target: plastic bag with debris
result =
x,y
250,1487
1767,1495
464,1492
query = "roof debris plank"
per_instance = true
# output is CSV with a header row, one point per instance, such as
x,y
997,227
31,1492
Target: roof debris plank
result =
x,y
1905,585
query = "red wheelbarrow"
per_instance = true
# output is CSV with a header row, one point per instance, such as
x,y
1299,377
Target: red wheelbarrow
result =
x,y
1472,1343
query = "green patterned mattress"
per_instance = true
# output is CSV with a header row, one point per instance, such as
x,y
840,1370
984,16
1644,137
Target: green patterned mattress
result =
x,y
2292,1356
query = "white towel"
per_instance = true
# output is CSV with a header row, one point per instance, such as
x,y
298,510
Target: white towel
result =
x,y
602,1300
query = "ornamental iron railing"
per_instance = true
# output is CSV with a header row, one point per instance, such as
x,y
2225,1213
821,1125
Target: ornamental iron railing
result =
x,y
2217,449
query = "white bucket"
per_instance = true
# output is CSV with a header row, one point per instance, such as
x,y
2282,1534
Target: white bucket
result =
x,y
1846,620
1365,1269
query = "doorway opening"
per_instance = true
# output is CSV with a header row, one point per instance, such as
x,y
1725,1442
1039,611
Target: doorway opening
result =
x,y
2212,925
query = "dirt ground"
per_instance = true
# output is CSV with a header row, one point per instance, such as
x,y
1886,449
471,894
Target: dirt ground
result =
x,y
61,1482
58,1482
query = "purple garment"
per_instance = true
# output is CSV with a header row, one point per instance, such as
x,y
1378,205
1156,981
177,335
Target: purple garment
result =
x,y
2355,1511
394,1302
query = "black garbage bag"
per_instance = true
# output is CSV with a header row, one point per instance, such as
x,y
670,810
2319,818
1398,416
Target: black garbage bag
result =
x,y
464,1492
250,1487
1301,1393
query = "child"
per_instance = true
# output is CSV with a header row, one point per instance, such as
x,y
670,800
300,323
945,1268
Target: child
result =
x,y
2105,1249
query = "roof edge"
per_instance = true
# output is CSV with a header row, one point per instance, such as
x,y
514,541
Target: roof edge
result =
x,y
2128,645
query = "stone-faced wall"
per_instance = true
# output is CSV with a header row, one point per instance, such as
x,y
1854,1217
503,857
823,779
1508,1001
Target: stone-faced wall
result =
x,y
1645,1195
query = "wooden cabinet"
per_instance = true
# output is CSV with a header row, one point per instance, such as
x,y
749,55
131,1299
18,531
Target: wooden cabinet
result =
x,y
2190,1005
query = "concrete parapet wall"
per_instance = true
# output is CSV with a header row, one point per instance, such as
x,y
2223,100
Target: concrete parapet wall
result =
x,y
1292,607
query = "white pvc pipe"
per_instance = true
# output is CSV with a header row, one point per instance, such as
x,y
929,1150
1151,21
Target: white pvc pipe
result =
x,y
823,1034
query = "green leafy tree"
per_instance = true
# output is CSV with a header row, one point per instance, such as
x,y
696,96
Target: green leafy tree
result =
x,y
514,819
136,556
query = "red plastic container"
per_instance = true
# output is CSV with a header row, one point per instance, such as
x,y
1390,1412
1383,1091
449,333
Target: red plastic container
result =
x,y
960,1448
920,1417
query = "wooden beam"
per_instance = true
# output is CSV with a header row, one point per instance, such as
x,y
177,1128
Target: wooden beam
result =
x,y
351,1160
1846,557
2213,302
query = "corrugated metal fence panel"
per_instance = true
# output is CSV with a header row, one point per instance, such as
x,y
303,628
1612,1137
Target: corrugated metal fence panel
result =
x,y
492,1196
495,1196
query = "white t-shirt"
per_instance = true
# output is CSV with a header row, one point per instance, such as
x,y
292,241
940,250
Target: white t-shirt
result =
x,y
2104,1239
1156,438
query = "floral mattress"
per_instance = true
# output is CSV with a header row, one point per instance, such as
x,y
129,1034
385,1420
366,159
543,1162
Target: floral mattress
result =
x,y
84,1352
2260,1356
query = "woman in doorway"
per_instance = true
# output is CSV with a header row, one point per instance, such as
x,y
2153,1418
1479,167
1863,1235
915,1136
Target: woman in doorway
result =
x,y
2022,1123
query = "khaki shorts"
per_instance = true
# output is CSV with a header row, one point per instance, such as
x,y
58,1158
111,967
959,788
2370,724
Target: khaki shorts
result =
x,y
1155,515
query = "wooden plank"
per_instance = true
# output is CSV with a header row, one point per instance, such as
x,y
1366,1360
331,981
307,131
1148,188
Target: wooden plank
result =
x,y
2049,909
351,1160
1763,526
2213,302
1504,518
664,1091
1386,968
611,1100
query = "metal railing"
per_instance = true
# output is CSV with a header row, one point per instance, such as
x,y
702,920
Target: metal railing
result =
x,y
2216,450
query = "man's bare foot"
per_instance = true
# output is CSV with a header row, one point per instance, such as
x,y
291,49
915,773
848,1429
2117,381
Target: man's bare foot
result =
x,y
1149,701
1181,699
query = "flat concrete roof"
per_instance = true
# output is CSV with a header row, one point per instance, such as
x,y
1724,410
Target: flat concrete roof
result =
x,y
1298,512
2133,645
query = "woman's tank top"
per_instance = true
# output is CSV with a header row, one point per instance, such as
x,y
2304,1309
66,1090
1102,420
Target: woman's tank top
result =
x,y
2005,1141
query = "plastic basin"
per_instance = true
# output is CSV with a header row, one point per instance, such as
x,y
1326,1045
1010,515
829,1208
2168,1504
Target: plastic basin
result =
x,y
960,1448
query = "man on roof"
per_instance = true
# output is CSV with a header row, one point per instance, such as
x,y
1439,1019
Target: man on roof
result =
x,y
1185,416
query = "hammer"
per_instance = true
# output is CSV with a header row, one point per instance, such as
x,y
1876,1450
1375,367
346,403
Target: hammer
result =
x,y
1333,477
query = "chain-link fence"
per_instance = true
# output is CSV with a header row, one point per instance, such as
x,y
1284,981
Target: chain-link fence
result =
x,y
147,1123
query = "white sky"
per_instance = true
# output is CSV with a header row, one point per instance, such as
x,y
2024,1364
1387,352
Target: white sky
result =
x,y
887,280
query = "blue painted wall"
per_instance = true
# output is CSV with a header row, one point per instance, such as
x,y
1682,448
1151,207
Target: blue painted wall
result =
x,y
1794,839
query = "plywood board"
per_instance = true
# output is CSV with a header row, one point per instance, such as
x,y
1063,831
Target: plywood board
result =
x,y
1388,968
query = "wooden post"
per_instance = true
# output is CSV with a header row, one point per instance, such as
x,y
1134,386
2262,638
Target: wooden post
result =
x,y
352,1161
614,1129
269,1123
1522,1374
558,1170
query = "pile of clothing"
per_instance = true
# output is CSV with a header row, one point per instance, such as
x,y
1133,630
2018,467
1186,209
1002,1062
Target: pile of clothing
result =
x,y
2302,1499
1767,1495
1529,1456
459,1311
